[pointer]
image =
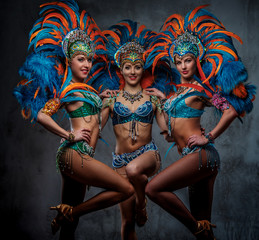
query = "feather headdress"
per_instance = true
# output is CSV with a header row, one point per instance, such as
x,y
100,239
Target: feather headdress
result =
x,y
128,42
46,71
219,66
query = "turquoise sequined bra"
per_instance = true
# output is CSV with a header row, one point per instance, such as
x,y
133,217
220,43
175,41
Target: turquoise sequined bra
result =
x,y
177,107
91,106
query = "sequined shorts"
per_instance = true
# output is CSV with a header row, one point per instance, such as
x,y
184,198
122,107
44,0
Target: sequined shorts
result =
x,y
81,147
123,159
213,159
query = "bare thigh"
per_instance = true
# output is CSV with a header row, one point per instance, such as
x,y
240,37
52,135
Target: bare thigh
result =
x,y
182,173
92,172
147,163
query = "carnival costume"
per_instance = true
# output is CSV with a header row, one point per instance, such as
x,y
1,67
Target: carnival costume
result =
x,y
58,35
128,43
221,74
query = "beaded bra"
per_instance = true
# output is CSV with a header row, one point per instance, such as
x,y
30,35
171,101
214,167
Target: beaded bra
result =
x,y
177,107
123,114
93,107
143,114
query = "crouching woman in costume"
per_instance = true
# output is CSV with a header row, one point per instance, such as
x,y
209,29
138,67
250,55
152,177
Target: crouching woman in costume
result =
x,y
210,74
136,155
63,37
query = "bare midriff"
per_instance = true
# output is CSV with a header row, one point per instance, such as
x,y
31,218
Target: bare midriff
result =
x,y
124,142
183,128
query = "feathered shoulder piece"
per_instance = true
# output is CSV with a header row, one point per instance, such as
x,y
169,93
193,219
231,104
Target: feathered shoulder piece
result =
x,y
60,31
220,69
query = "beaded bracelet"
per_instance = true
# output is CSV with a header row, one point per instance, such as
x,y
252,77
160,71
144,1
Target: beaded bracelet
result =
x,y
210,137
162,101
71,137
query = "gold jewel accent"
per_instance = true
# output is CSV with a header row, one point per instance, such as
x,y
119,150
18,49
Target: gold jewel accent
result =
x,y
51,106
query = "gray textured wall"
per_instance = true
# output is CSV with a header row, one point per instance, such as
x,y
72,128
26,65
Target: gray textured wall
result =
x,y
29,181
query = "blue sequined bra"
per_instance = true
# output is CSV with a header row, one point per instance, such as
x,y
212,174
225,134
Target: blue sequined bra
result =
x,y
177,108
122,114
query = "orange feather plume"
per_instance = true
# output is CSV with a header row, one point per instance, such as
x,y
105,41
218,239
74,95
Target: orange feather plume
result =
x,y
174,16
240,91
25,114
82,26
197,87
195,10
216,40
46,41
68,9
54,92
157,58
36,92
112,34
66,71
209,27
230,34
224,48
127,26
147,80
199,20
140,29
59,16
59,68
212,73
220,58
73,86
23,82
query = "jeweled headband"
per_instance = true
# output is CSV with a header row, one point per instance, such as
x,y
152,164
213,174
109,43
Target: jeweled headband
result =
x,y
186,43
129,52
77,41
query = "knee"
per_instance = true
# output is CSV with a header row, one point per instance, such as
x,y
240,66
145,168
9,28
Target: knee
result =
x,y
151,191
134,174
130,191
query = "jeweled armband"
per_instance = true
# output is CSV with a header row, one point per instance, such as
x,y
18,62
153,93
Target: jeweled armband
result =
x,y
159,105
109,102
51,106
220,102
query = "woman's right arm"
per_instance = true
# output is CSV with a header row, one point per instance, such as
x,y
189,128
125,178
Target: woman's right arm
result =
x,y
47,122
105,112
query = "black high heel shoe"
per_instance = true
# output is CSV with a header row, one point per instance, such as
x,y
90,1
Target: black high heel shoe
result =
x,y
64,215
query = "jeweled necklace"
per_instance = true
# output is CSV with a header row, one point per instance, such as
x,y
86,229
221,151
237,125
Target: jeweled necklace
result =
x,y
180,90
132,97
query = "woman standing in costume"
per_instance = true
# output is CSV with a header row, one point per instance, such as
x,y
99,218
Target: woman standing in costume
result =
x,y
211,73
62,38
136,156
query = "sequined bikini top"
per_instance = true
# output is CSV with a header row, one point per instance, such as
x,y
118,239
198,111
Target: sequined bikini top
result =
x,y
177,107
122,114
91,106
